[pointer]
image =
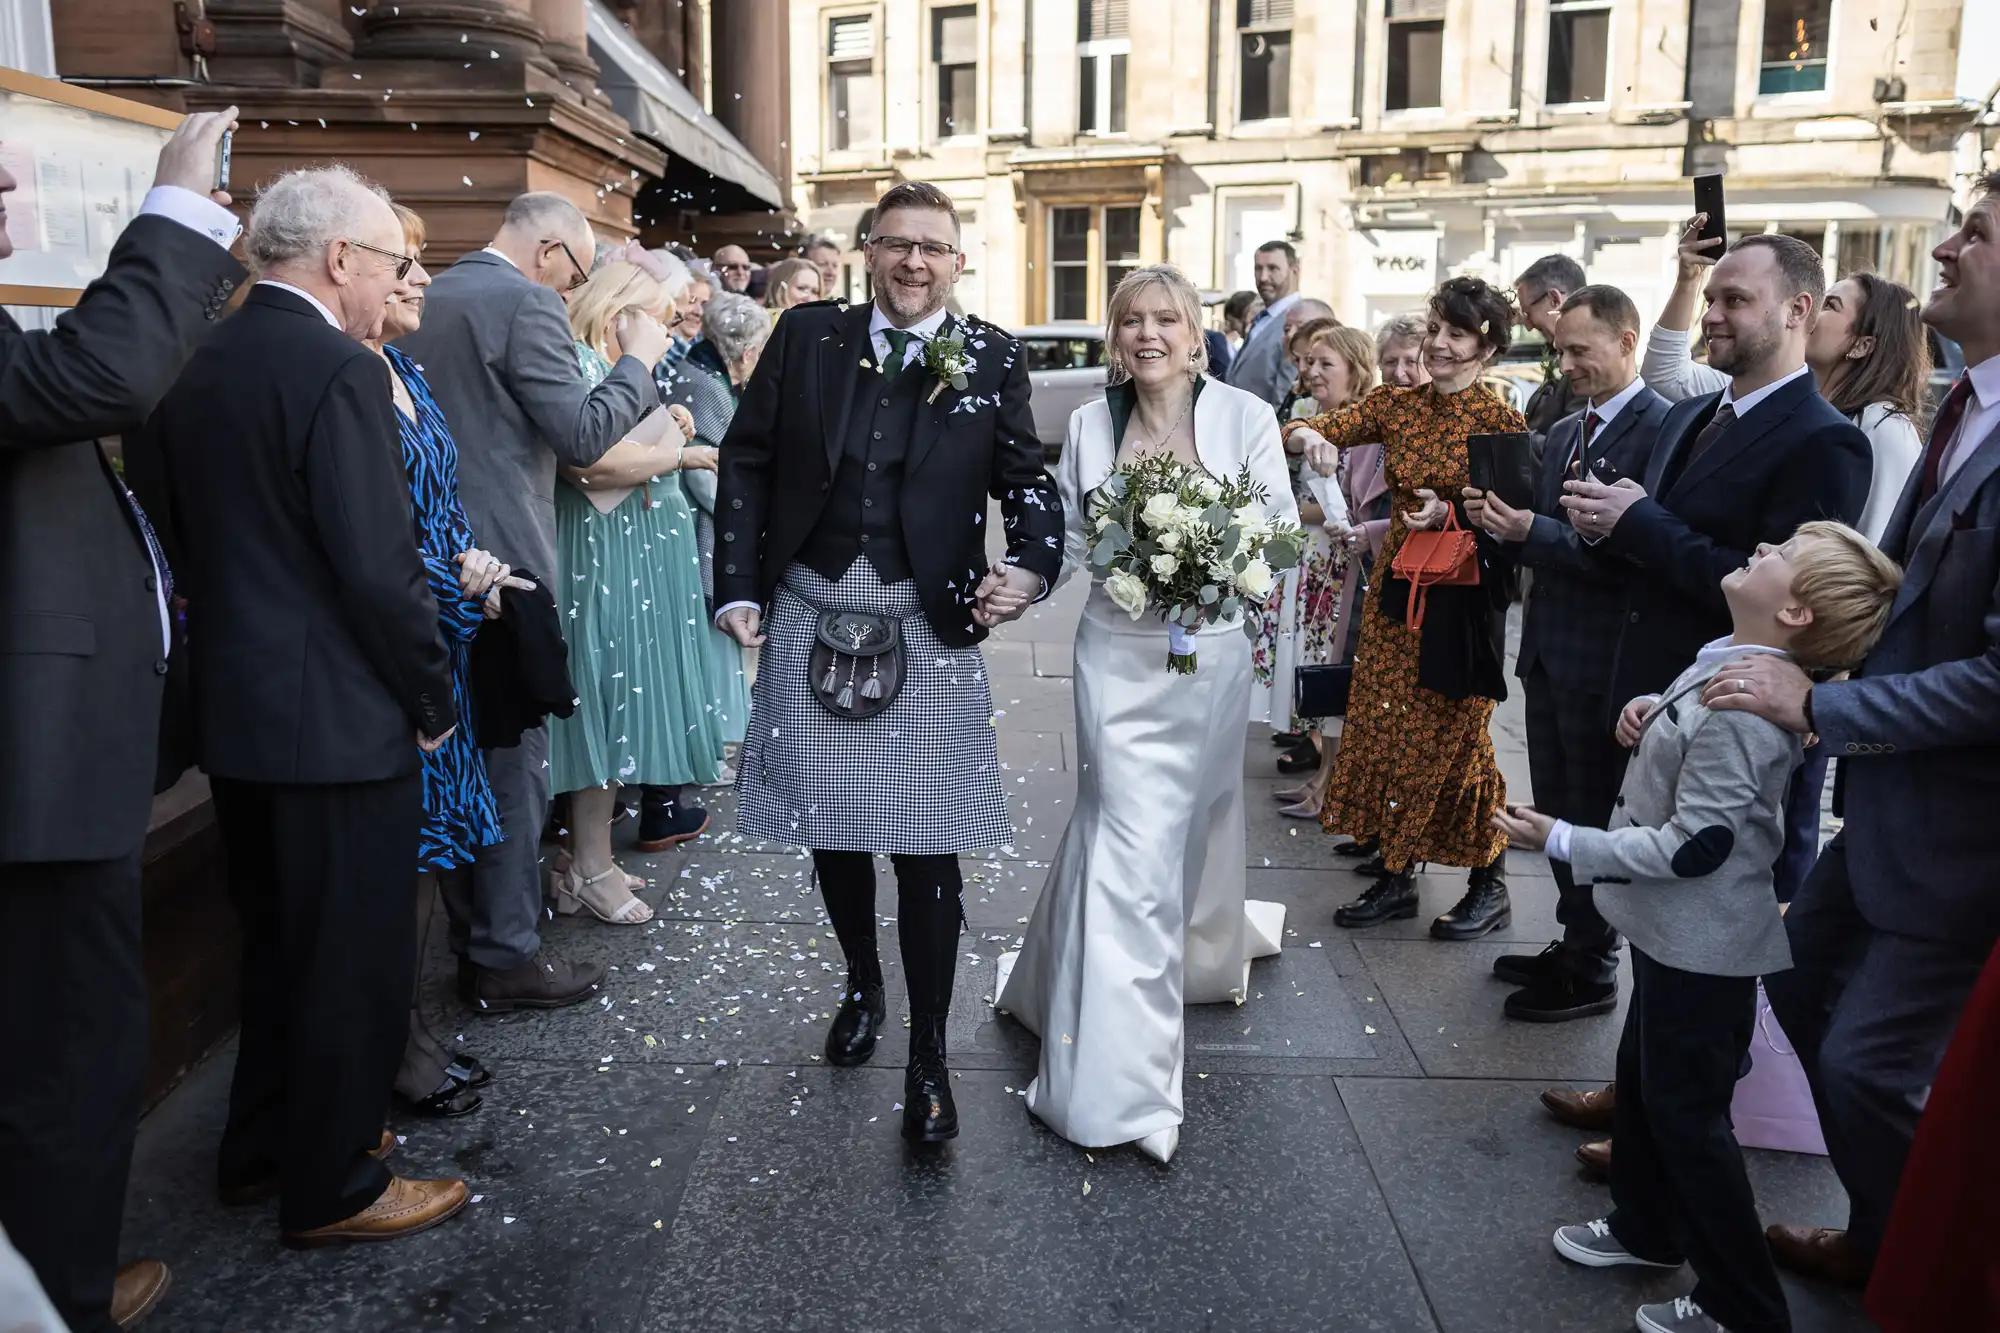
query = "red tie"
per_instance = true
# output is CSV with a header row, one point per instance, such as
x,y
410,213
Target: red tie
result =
x,y
1943,428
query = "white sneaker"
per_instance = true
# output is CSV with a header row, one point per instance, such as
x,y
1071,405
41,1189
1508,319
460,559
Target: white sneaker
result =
x,y
1679,1315
1592,1245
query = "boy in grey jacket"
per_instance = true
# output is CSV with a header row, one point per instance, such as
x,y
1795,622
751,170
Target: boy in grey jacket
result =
x,y
1685,874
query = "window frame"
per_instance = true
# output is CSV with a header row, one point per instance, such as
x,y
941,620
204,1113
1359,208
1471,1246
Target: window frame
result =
x,y
1824,63
1096,263
934,16
1287,31
1557,9
1391,27
1103,50
833,69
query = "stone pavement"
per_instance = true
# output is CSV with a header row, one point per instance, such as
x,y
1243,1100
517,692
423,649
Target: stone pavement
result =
x,y
1363,1148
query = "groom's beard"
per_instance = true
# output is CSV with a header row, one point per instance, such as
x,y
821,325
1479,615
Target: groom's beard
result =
x,y
911,304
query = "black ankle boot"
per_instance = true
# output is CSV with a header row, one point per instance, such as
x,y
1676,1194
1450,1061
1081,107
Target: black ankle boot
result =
x,y
858,1025
1359,847
929,1114
1390,898
1482,910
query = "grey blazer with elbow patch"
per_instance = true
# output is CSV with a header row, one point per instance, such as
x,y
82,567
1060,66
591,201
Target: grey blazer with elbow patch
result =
x,y
1684,871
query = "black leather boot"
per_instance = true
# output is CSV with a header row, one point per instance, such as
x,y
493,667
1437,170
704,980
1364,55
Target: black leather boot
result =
x,y
1482,910
1393,897
929,1114
858,1025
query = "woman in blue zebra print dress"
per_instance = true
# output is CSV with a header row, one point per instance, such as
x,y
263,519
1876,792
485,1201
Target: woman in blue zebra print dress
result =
x,y
459,811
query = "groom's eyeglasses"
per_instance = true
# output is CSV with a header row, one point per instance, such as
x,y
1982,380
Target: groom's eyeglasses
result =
x,y
899,247
403,262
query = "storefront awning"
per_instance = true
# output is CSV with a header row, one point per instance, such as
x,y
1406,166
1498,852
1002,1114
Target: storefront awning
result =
x,y
660,107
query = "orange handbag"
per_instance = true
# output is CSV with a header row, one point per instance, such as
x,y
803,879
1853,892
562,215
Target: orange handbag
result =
x,y
1445,556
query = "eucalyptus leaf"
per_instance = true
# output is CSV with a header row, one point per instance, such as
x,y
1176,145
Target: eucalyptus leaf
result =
x,y
1209,594
1280,554
1230,606
1104,552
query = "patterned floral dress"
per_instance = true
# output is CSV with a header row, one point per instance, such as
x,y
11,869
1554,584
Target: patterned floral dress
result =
x,y
1414,768
459,814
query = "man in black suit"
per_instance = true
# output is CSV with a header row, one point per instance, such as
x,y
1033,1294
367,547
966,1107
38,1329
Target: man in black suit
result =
x,y
856,477
1731,470
1569,637
318,674
1890,930
1541,291
83,648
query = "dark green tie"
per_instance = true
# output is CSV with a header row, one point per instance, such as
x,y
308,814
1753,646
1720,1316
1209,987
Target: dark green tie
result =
x,y
899,347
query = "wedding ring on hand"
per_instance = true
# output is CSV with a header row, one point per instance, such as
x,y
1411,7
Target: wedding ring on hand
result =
x,y
1743,687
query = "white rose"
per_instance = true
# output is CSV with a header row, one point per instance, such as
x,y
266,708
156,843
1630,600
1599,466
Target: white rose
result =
x,y
1170,540
1210,489
1251,519
1256,580
1190,516
1127,592
1100,523
1161,511
1165,565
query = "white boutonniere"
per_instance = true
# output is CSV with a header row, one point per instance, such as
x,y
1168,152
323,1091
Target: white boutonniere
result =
x,y
946,360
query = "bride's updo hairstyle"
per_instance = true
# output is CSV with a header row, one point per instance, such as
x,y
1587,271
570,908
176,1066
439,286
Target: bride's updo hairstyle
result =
x,y
1185,300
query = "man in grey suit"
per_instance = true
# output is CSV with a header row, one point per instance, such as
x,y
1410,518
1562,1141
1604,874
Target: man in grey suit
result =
x,y
1891,929
497,348
1261,366
85,634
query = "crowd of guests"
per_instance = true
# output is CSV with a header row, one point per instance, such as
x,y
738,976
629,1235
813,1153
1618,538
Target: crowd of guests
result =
x,y
1734,570
420,568
406,560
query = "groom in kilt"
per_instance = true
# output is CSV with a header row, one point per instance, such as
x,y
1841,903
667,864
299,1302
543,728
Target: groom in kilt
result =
x,y
851,511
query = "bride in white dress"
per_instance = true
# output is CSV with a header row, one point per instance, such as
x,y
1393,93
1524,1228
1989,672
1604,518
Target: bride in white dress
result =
x,y
1143,910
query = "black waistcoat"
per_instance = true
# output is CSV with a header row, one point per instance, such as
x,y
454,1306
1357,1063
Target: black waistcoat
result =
x,y
864,510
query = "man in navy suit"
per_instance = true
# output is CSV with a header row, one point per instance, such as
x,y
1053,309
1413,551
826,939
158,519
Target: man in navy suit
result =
x,y
1569,638
1892,927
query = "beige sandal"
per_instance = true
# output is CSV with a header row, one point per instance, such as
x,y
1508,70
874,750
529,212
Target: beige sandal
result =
x,y
576,896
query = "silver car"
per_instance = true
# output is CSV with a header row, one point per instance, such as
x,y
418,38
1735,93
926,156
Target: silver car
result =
x,y
1066,370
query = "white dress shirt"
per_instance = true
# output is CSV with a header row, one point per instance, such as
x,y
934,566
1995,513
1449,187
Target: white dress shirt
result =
x,y
303,295
925,329
1275,311
487,249
1714,653
198,214
1982,414
1747,404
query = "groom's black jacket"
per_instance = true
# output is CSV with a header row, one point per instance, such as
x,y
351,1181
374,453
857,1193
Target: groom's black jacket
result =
x,y
781,457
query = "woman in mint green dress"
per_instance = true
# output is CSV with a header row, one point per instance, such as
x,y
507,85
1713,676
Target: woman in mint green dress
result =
x,y
629,592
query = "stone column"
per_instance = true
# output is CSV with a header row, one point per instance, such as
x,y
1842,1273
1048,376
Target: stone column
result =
x,y
566,42
456,43
751,46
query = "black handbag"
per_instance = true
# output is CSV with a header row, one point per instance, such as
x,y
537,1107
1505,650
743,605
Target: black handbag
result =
x,y
1321,691
856,662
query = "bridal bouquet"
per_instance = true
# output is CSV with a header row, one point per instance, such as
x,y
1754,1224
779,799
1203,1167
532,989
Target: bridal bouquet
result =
x,y
1196,550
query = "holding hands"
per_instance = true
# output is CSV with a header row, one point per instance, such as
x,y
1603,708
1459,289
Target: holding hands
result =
x,y
1004,594
1492,514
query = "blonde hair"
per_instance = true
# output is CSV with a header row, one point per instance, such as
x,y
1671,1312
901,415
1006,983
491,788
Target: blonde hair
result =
x,y
1351,345
415,234
618,286
778,283
1186,302
1849,586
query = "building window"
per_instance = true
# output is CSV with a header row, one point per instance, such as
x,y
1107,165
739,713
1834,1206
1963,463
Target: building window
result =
x,y
1794,57
1416,55
1103,48
853,99
1264,68
955,53
1579,47
1091,249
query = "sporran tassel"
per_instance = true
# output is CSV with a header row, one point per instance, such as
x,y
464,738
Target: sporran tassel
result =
x,y
872,687
832,677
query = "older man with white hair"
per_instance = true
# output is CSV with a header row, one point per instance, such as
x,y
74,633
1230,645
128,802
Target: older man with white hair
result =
x,y
497,349
318,676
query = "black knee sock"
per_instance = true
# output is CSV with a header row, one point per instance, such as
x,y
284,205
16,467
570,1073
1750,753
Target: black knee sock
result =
x,y
847,886
928,915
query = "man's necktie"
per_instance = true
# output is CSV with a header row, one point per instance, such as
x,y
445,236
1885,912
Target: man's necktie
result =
x,y
1950,412
899,348
1725,417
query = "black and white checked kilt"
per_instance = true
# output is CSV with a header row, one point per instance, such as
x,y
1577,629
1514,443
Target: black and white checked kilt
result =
x,y
922,777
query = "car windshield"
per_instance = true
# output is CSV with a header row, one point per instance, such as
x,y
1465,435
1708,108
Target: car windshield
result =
x,y
1063,353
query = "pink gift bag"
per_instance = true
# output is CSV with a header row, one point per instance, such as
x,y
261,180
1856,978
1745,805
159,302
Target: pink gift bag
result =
x,y
1773,1107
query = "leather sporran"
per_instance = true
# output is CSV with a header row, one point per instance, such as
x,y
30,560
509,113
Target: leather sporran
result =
x,y
856,663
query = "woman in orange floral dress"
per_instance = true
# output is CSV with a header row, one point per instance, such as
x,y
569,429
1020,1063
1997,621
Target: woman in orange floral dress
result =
x,y
1415,778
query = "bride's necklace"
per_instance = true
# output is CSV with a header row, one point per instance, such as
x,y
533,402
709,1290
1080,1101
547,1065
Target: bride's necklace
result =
x,y
1160,446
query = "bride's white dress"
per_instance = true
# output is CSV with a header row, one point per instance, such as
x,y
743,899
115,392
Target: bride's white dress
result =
x,y
1143,910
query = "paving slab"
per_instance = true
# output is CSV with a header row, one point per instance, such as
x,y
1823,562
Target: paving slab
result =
x,y
1011,1229
1478,1178
525,1257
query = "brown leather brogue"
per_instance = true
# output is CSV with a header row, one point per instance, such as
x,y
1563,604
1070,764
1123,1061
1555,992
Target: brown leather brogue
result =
x,y
1596,1159
405,1208
1582,1110
1819,1252
137,1289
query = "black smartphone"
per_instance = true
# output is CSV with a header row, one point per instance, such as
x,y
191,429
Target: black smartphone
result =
x,y
1708,199
1604,472
222,161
